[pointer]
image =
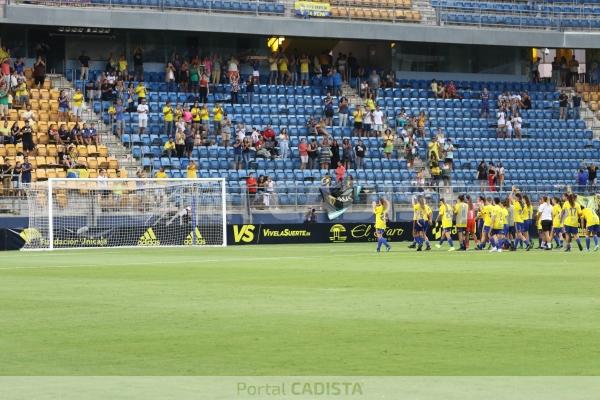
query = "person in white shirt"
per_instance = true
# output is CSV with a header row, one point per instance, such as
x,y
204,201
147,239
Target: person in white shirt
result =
x,y
142,110
545,216
509,128
255,135
368,122
378,120
501,123
240,132
517,122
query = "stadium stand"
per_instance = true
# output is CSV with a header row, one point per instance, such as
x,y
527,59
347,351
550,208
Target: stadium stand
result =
x,y
579,15
547,156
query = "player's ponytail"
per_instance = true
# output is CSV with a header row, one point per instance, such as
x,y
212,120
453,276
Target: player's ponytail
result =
x,y
526,200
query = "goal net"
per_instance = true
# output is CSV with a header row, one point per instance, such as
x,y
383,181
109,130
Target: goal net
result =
x,y
92,213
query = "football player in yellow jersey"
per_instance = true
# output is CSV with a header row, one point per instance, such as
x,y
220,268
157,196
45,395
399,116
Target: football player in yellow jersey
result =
x,y
486,214
461,214
520,213
380,209
445,215
527,218
557,228
498,217
570,219
592,226
421,221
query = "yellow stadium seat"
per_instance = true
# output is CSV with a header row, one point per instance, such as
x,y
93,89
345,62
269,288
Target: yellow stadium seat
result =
x,y
113,163
44,94
2,150
41,174
92,162
103,151
54,94
91,150
40,161
34,94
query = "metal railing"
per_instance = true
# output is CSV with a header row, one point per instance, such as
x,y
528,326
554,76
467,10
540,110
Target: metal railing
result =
x,y
298,197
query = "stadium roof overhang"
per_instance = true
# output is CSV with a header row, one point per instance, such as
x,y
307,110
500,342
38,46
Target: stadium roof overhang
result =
x,y
262,25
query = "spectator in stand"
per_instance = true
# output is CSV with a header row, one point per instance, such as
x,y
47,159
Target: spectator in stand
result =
x,y
492,177
27,138
39,72
311,216
374,82
509,128
555,71
16,136
441,94
592,175
485,103
358,115
304,70
237,154
268,189
246,151
141,92
517,124
576,100
251,186
347,153
169,148
123,72
180,142
500,173
284,144
482,175
367,122
191,172
325,154
26,169
340,172
189,143
582,179
501,118
63,106
378,120
343,109
313,154
5,133
563,103
451,92
359,152
78,104
64,134
335,152
215,76
235,88
434,87
16,177
337,82
284,73
84,63
535,70
525,102
168,118
250,90
303,152
574,71
76,134
564,71
138,64
388,143
225,131
142,111
170,74
328,110
421,124
161,174
449,153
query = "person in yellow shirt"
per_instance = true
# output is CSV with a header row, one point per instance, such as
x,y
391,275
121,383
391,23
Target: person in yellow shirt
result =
x,y
205,116
370,103
196,112
520,215
421,221
284,73
77,108
380,209
592,226
123,67
169,148
461,212
218,118
571,211
557,228
161,174
445,216
169,118
498,221
486,214
358,114
191,170
304,70
140,91
22,94
273,69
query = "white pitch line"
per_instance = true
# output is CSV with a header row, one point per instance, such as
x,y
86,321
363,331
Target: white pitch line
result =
x,y
180,261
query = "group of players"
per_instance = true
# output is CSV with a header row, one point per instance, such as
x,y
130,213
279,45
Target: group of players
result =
x,y
498,224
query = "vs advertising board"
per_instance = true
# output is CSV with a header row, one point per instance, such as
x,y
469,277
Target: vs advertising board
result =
x,y
314,233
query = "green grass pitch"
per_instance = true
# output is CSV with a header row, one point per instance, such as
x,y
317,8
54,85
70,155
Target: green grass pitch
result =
x,y
338,309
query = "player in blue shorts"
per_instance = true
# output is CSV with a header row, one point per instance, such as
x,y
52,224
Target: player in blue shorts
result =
x,y
380,209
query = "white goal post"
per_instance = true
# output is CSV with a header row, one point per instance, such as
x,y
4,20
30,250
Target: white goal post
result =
x,y
106,213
